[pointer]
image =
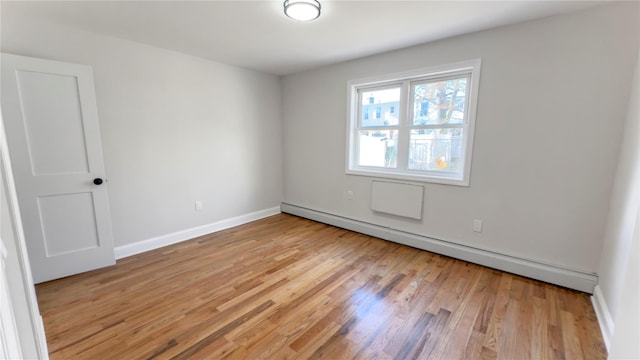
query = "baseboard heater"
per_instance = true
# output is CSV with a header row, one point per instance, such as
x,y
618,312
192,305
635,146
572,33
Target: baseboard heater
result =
x,y
553,274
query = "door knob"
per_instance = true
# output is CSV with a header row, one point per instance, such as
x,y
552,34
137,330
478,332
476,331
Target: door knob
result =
x,y
97,181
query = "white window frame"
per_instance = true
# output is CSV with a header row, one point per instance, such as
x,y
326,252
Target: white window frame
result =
x,y
470,68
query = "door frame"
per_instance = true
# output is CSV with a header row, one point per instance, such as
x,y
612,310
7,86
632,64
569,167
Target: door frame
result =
x,y
34,329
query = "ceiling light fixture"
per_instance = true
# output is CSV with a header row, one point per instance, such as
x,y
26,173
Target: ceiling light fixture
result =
x,y
302,10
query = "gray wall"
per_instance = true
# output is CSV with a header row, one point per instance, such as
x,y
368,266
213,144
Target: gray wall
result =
x,y
552,103
175,129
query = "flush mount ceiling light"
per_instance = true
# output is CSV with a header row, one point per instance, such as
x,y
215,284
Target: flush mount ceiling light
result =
x,y
302,10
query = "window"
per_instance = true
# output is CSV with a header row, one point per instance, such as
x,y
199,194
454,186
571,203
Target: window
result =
x,y
423,127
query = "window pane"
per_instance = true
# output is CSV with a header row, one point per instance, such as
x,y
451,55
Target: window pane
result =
x,y
378,148
440,102
378,107
436,150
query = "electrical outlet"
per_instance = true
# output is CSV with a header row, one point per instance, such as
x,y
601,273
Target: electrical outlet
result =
x,y
198,205
349,195
477,225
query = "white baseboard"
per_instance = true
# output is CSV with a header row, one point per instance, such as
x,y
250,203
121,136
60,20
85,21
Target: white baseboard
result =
x,y
604,316
553,274
179,236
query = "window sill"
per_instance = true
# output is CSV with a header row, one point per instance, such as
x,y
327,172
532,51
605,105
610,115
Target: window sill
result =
x,y
393,175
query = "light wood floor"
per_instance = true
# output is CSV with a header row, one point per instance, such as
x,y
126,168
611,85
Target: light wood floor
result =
x,y
289,288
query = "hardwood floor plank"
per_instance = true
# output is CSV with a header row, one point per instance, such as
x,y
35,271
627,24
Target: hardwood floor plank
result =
x,y
462,335
540,344
435,338
201,344
488,286
494,328
360,312
573,350
415,343
289,288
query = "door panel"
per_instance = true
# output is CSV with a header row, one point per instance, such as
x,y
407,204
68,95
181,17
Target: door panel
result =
x,y
51,121
73,230
54,147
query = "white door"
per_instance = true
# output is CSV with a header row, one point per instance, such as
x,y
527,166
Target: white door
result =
x,y
51,124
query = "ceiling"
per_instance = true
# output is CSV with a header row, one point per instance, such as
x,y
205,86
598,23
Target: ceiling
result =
x,y
257,35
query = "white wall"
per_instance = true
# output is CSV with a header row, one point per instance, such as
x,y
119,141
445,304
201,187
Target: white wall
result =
x,y
624,344
617,299
552,102
175,128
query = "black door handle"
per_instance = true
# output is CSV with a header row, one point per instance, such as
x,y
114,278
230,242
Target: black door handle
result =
x,y
97,181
